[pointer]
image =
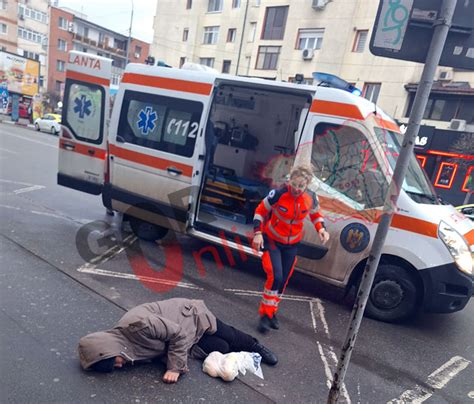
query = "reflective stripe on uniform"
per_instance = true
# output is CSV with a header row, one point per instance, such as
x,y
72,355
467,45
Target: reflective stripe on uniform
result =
x,y
317,220
270,292
285,238
266,203
287,221
258,217
269,302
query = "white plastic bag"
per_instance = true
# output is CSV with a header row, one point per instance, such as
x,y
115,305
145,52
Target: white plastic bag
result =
x,y
228,366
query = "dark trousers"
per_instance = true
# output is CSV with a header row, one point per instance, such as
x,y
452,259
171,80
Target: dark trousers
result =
x,y
282,258
226,339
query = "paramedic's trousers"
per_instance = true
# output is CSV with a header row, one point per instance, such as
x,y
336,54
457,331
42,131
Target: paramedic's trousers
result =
x,y
226,339
278,262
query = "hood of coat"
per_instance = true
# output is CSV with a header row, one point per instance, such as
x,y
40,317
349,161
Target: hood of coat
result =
x,y
100,345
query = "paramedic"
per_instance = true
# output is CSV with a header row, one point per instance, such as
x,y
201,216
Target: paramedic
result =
x,y
278,228
172,329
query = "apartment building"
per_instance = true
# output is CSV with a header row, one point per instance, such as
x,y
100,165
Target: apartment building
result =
x,y
70,30
24,31
278,39
8,25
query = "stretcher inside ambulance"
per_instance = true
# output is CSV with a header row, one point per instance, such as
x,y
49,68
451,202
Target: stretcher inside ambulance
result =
x,y
195,152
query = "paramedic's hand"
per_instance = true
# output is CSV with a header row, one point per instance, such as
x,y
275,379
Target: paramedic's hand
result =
x,y
257,241
171,376
323,235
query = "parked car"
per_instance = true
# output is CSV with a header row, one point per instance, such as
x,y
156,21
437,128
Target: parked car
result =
x,y
49,123
467,210
22,110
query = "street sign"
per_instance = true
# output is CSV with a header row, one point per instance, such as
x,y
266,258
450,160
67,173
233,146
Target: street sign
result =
x,y
403,30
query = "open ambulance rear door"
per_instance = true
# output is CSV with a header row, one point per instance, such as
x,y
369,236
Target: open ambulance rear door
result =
x,y
83,139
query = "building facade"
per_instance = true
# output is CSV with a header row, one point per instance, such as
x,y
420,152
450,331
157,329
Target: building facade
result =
x,y
24,27
70,30
9,25
279,39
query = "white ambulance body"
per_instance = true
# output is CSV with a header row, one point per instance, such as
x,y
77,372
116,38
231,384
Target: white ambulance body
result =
x,y
195,152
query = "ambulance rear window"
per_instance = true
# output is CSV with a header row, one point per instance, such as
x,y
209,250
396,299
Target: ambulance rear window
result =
x,y
162,123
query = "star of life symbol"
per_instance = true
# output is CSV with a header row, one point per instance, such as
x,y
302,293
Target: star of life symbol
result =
x,y
82,106
147,120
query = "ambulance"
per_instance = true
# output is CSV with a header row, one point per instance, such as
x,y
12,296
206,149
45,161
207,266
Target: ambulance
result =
x,y
194,152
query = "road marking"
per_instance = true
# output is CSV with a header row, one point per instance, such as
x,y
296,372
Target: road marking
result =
x,y
257,293
28,189
35,212
26,184
8,151
29,140
436,381
90,269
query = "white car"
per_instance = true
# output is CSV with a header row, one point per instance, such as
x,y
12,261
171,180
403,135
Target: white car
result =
x,y
49,123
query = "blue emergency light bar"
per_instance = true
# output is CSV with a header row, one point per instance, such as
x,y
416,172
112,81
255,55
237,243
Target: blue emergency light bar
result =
x,y
330,80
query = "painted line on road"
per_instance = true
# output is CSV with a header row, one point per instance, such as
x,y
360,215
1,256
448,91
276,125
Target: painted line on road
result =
x,y
26,184
35,212
436,381
259,294
29,140
8,151
28,189
90,269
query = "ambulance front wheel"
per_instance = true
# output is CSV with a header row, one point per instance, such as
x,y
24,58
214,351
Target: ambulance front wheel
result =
x,y
394,294
147,231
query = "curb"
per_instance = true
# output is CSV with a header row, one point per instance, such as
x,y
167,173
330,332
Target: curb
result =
x,y
24,125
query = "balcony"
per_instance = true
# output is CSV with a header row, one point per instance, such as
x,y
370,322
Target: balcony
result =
x,y
98,45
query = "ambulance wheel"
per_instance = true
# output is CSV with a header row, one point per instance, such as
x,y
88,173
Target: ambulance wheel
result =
x,y
147,231
394,294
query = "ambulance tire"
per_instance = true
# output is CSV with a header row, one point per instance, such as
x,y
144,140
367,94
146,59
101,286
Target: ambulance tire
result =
x,y
394,294
147,231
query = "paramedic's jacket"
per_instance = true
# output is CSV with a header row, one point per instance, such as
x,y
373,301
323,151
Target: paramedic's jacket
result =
x,y
280,215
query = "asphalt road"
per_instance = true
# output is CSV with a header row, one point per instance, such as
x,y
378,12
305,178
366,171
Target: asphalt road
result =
x,y
56,287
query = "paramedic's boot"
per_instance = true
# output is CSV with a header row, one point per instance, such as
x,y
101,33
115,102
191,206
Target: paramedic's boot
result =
x,y
268,356
264,324
274,323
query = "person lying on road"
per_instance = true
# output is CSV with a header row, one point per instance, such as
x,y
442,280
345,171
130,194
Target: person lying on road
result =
x,y
176,328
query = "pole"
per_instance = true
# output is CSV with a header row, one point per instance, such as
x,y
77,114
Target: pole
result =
x,y
242,37
129,37
421,99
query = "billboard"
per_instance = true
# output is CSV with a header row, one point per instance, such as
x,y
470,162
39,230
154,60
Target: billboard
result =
x,y
20,74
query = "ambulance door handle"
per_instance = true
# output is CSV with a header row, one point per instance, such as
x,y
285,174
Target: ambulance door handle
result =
x,y
68,146
174,171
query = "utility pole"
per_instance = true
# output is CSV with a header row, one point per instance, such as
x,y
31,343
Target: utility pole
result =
x,y
441,28
242,37
129,36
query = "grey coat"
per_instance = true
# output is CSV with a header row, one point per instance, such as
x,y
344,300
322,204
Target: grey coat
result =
x,y
151,330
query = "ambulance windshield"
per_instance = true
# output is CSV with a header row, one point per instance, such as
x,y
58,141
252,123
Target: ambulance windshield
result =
x,y
415,184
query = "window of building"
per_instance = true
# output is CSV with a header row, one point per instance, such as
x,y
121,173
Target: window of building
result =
x,y
62,45
58,86
160,123
189,4
185,34
226,66
62,23
182,61
360,40
3,28
215,6
138,51
210,35
3,4
31,55
235,3
310,38
207,61
257,3
252,31
267,58
444,107
60,65
25,11
231,34
30,35
86,33
275,21
371,91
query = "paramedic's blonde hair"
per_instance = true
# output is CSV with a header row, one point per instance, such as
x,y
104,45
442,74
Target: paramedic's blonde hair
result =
x,y
305,172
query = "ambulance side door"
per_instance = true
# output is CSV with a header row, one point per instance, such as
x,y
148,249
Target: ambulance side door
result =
x,y
83,138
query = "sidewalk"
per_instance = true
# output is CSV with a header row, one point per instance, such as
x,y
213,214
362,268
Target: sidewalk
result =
x,y
21,122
